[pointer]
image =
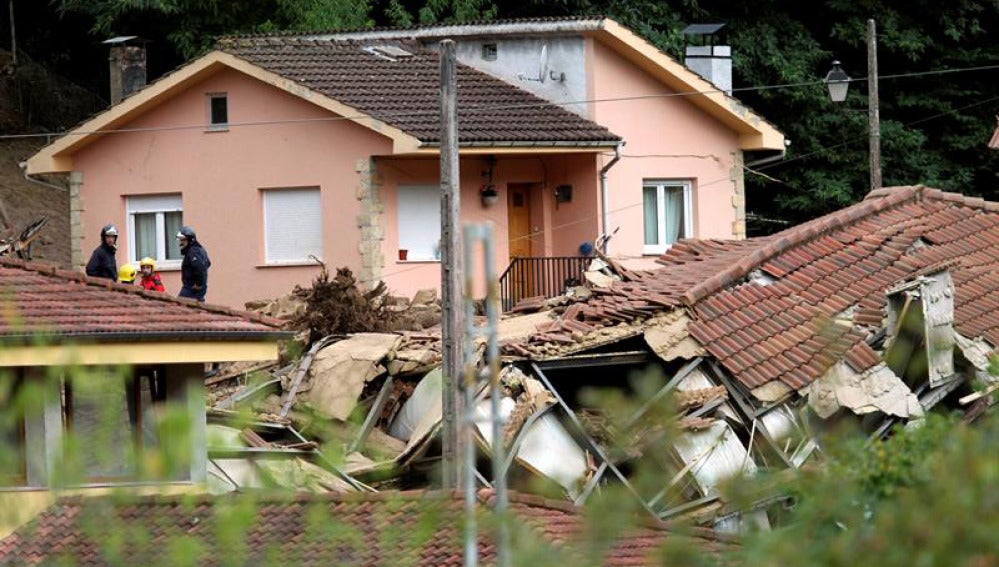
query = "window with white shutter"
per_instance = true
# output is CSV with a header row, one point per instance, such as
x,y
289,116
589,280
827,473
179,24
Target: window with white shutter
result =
x,y
153,223
420,222
293,225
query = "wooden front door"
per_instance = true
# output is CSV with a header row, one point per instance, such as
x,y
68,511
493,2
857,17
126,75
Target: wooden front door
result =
x,y
519,230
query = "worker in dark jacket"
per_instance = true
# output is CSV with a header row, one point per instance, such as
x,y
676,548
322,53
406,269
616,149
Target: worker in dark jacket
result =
x,y
102,263
194,268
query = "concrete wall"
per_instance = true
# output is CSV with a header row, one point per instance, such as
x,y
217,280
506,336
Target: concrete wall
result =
x,y
220,176
553,68
667,138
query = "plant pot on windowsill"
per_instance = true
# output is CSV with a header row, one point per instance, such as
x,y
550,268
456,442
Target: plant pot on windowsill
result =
x,y
403,254
489,196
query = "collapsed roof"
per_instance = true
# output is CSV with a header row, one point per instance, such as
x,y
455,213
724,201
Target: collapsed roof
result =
x,y
787,308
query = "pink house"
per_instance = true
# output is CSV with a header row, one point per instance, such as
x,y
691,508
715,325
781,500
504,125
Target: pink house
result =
x,y
283,149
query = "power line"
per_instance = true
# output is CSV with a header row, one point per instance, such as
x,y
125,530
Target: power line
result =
x,y
480,108
701,185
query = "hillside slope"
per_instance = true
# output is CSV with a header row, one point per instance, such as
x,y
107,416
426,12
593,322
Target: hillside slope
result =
x,y
26,201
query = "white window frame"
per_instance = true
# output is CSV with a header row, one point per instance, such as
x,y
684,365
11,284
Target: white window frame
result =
x,y
404,223
216,126
159,204
688,212
306,260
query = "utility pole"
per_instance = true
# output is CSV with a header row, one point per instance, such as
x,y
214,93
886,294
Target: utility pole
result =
x,y
451,322
13,36
873,116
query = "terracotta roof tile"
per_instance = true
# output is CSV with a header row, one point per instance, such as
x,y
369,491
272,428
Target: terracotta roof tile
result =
x,y
823,267
40,299
387,528
404,91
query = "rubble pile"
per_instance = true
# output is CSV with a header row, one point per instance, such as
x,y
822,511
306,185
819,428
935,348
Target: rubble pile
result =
x,y
757,344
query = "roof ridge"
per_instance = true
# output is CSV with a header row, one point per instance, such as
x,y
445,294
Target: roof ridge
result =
x,y
795,236
414,27
227,42
51,270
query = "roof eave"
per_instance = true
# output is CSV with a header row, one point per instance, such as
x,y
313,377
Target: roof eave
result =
x,y
193,350
56,338
755,133
550,146
57,157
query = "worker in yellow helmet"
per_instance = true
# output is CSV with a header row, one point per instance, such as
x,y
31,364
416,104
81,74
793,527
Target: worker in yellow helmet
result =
x,y
126,274
150,279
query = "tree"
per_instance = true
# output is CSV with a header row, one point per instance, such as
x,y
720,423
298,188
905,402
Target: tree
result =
x,y
192,25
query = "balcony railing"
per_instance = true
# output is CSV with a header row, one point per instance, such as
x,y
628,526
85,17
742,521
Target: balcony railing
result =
x,y
540,276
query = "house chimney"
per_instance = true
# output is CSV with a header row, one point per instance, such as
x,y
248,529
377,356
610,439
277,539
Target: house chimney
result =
x,y
704,57
127,65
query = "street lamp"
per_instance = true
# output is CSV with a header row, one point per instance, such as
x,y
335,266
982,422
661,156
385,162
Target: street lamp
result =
x,y
838,82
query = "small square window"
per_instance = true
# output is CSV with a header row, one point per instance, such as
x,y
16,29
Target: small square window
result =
x,y
489,51
218,112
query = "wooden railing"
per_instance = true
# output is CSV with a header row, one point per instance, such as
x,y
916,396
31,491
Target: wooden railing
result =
x,y
540,276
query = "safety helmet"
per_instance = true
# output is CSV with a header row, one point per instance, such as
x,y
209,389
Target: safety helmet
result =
x,y
109,230
188,233
147,261
126,273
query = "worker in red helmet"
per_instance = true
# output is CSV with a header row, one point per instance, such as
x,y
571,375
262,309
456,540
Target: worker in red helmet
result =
x,y
151,280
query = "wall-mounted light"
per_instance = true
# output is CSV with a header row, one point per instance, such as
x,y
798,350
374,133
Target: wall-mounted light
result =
x,y
488,192
489,195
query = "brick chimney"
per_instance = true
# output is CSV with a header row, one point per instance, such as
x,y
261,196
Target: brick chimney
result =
x,y
704,57
127,61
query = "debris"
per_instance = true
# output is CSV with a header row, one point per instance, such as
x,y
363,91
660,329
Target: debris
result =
x,y
543,445
338,306
978,395
976,351
21,245
341,369
239,370
669,339
876,389
425,297
599,279
771,392
303,368
420,409
287,307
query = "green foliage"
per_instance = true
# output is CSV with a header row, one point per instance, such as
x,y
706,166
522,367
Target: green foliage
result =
x,y
924,497
191,26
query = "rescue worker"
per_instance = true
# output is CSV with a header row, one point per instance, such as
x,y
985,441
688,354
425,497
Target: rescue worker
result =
x,y
126,274
150,279
194,268
102,263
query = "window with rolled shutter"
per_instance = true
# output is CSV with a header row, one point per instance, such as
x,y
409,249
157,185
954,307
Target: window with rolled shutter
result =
x,y
293,228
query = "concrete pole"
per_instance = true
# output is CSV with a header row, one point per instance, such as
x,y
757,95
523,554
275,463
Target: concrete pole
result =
x,y
873,117
451,323
13,35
